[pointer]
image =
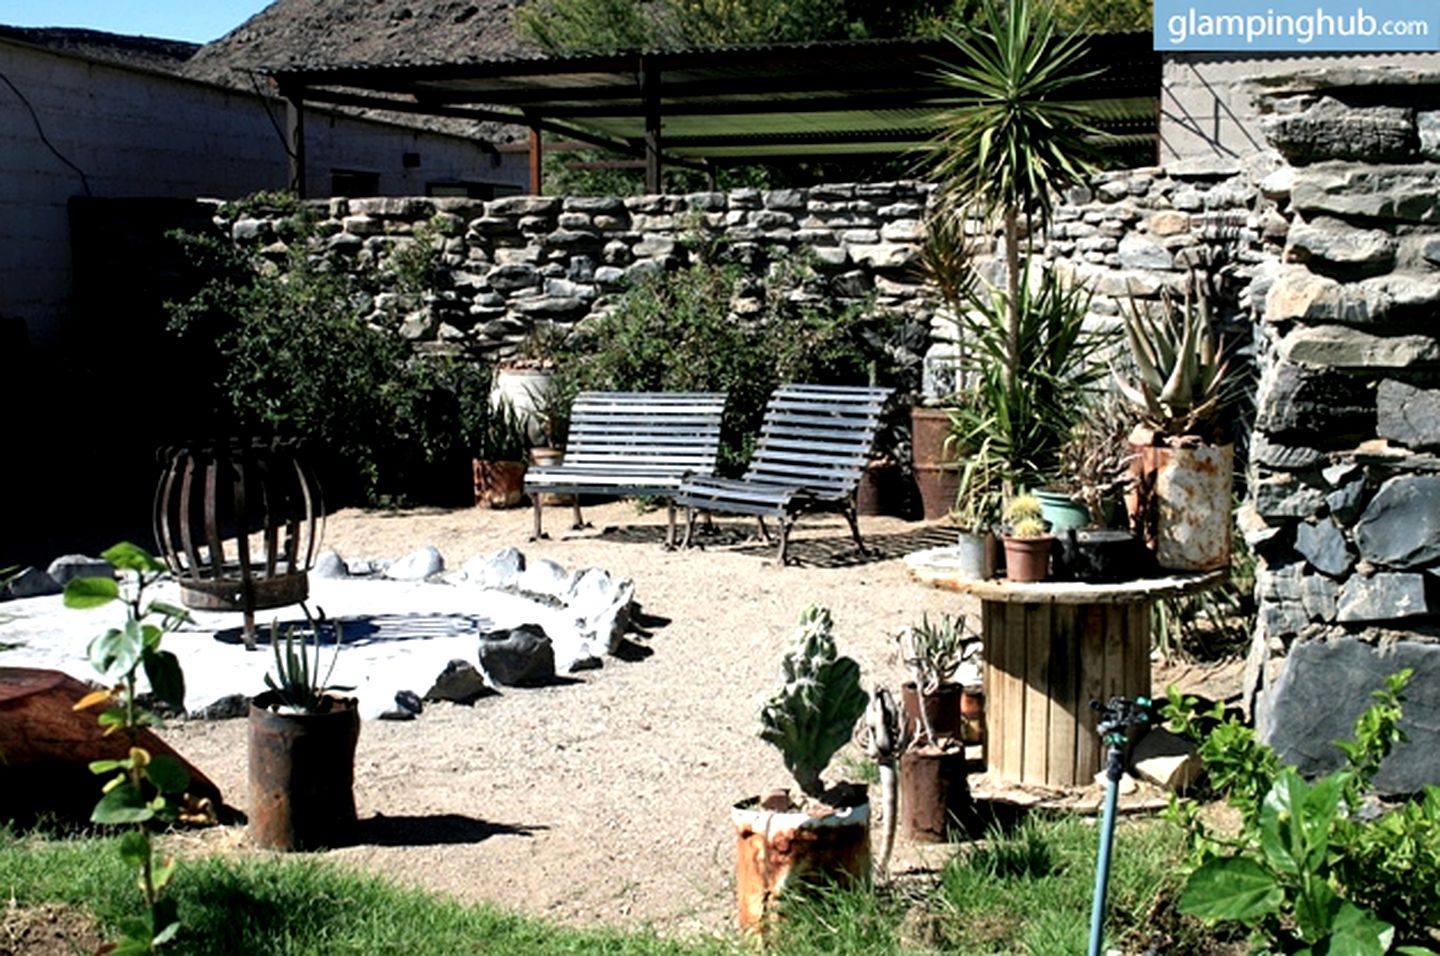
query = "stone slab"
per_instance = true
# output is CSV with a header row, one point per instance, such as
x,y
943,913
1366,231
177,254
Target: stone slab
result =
x,y
1325,685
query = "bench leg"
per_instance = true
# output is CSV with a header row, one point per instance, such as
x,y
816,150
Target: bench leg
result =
x,y
669,524
764,531
579,524
539,530
781,556
689,527
855,530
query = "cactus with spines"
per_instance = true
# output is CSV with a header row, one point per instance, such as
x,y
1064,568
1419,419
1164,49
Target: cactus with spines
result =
x,y
813,714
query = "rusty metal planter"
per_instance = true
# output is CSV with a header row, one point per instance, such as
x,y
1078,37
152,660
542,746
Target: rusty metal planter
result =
x,y
776,851
302,775
211,499
934,793
1181,504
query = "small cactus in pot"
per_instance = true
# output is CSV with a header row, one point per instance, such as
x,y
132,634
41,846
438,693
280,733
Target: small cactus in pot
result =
x,y
811,716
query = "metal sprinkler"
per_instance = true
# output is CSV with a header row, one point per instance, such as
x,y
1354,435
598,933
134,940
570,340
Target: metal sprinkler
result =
x,y
1116,720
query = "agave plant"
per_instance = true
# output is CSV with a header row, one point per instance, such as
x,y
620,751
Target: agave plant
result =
x,y
814,712
298,684
1181,383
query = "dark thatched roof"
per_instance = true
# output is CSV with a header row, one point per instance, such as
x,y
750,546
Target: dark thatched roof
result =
x,y
146,52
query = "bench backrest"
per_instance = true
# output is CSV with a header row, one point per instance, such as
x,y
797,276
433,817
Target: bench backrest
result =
x,y
818,437
667,433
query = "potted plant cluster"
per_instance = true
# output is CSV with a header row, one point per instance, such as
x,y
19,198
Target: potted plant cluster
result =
x,y
1182,470
822,834
302,737
934,794
501,448
1027,540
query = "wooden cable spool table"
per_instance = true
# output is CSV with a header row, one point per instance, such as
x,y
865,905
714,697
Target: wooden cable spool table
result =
x,y
1049,649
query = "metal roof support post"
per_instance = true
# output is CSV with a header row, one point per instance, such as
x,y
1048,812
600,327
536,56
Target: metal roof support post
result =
x,y
537,156
650,93
295,139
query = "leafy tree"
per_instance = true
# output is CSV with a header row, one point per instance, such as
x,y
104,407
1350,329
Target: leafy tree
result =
x,y
1014,141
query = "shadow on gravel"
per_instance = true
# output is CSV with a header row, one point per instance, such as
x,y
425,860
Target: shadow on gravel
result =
x,y
442,829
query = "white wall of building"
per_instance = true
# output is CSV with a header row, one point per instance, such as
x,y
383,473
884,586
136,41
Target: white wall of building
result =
x,y
70,126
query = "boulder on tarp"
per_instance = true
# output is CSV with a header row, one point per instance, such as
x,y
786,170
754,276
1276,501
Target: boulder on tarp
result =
x,y
46,747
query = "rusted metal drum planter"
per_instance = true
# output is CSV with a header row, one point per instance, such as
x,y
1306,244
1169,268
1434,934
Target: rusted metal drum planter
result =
x,y
302,775
934,793
212,499
777,851
1180,503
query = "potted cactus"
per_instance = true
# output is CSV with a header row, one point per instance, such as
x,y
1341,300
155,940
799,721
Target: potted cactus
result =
x,y
302,737
1027,541
821,834
1179,500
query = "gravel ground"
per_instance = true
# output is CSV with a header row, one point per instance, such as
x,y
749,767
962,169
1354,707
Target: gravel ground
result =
x,y
605,800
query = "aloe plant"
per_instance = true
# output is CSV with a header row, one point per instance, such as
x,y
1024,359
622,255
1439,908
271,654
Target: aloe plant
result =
x,y
297,684
1181,383
813,714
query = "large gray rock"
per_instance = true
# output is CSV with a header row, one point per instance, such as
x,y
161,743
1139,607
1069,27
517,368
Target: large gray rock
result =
x,y
1325,685
1303,296
1320,597
1318,403
1285,496
1345,502
417,565
1140,252
1330,129
1272,454
1408,415
1400,528
66,568
601,604
458,683
1324,546
1345,347
1402,193
1327,243
519,657
1387,596
32,582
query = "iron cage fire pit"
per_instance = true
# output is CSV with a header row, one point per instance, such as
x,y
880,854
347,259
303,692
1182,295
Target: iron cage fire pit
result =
x,y
239,524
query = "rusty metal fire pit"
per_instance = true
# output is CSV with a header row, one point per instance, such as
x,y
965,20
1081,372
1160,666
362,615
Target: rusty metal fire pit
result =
x,y
238,524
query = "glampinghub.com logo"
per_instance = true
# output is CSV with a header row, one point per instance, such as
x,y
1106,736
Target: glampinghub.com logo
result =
x,y
1224,25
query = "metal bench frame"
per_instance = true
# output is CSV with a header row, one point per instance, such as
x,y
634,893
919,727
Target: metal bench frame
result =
x,y
633,443
814,444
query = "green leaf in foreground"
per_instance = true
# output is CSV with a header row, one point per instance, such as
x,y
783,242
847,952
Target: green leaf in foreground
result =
x,y
1234,889
85,593
124,804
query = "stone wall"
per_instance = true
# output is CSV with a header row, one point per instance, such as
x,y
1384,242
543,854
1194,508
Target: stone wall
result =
x,y
1345,511
508,264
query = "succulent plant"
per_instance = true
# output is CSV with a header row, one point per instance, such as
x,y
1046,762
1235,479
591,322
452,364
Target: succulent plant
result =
x,y
1181,382
1029,528
934,651
1022,508
297,684
813,714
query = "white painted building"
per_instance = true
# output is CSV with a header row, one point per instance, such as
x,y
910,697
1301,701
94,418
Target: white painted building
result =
x,y
72,126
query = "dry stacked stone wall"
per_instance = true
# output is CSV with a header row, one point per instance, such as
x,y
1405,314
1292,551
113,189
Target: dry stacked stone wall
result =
x,y
1345,506
505,265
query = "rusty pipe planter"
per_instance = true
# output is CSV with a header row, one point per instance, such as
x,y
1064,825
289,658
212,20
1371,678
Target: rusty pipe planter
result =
x,y
239,524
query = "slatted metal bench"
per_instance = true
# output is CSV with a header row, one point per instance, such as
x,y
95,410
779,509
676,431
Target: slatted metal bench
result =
x,y
814,444
633,443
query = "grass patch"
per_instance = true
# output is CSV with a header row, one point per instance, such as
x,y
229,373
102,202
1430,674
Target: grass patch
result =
x,y
1025,892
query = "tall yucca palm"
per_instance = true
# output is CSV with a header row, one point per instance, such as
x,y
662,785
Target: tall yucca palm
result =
x,y
1014,140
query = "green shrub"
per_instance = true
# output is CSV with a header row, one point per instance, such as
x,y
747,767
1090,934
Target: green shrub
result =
x,y
676,332
293,353
1308,870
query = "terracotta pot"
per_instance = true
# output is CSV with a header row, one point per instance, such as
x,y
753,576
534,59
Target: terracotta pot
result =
x,y
934,794
1180,503
942,707
777,851
499,484
937,476
1027,559
972,714
302,775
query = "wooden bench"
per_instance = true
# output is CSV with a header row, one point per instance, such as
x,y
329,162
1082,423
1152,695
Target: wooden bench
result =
x,y
632,443
814,444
